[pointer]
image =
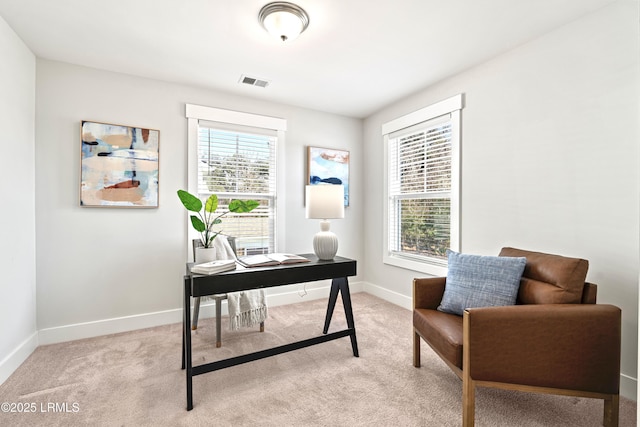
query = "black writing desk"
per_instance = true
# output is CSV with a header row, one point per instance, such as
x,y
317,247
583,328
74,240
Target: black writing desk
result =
x,y
195,285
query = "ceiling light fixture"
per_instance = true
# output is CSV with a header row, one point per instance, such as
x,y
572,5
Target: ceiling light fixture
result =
x,y
283,20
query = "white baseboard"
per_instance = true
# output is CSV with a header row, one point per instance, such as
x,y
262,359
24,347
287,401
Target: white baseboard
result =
x,y
629,387
9,364
387,295
116,325
289,295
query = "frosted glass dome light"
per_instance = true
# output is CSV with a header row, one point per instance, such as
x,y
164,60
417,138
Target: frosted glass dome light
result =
x,y
283,20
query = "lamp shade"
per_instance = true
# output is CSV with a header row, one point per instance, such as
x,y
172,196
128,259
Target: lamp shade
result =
x,y
325,201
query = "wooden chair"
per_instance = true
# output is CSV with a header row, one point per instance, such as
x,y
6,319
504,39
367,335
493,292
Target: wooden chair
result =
x,y
197,243
556,339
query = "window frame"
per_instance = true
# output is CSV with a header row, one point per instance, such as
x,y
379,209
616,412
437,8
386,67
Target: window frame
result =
x,y
450,106
196,113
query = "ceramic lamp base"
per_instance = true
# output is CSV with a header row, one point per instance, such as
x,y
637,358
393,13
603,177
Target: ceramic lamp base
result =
x,y
325,242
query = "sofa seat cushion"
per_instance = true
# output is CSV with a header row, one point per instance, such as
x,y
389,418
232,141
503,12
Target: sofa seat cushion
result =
x,y
442,331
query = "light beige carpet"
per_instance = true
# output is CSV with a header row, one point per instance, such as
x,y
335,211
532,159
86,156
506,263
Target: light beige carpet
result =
x,y
134,379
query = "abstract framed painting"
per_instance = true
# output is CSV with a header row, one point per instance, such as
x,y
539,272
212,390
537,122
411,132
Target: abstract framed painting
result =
x,y
328,166
119,166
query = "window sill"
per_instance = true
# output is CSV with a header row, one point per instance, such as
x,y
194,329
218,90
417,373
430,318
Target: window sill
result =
x,y
422,267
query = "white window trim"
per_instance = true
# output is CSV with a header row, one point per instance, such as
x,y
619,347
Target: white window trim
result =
x,y
450,106
194,113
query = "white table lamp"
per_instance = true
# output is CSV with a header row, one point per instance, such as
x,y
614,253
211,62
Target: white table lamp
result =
x,y
325,201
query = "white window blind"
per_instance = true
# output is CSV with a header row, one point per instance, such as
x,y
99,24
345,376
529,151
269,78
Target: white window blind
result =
x,y
237,162
419,189
422,184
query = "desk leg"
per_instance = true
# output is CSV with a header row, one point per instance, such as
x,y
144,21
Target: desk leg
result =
x,y
341,285
348,312
183,346
184,325
186,343
333,297
218,322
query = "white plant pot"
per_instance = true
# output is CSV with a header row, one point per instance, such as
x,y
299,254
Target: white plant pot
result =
x,y
205,255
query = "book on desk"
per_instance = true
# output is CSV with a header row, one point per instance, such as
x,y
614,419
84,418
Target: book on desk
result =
x,y
263,260
213,267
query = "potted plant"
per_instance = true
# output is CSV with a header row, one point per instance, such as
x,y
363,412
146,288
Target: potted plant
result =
x,y
206,218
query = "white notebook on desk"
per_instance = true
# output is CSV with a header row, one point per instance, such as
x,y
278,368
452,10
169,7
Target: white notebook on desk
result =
x,y
213,267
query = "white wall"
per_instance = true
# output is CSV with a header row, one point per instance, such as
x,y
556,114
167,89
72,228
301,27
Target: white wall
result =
x,y
18,335
550,162
118,269
549,159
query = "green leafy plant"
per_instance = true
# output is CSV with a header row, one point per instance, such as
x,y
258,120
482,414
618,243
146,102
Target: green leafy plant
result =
x,y
206,218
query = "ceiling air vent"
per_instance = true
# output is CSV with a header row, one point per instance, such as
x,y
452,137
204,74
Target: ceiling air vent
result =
x,y
253,81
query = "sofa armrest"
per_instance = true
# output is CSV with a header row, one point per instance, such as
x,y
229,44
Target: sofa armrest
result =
x,y
427,292
564,346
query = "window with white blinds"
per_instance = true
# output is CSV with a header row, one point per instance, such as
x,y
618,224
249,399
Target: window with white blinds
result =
x,y
236,162
422,189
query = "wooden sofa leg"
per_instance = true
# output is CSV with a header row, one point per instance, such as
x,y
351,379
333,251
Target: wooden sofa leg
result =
x,y
416,349
468,385
611,411
468,402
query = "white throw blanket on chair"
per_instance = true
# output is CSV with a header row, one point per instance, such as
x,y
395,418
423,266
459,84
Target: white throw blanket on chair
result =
x,y
246,308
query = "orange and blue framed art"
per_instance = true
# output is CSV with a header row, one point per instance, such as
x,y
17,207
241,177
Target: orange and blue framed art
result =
x,y
119,166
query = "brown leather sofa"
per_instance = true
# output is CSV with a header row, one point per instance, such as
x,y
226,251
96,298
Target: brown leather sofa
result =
x,y
556,339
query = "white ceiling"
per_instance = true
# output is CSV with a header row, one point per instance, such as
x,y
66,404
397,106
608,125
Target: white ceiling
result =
x,y
356,57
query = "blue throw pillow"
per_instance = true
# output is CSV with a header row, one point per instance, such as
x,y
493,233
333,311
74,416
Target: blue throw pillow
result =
x,y
481,281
